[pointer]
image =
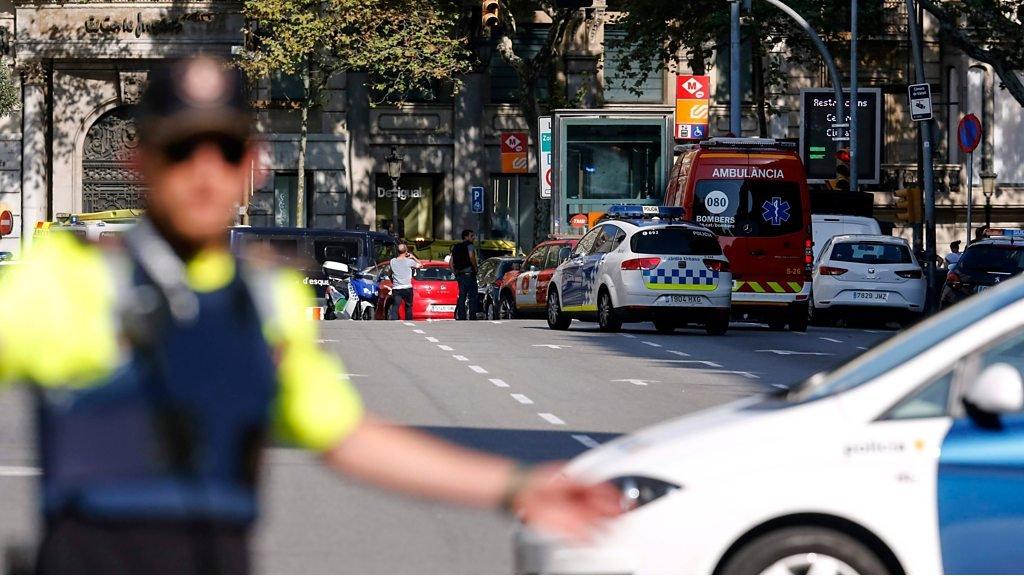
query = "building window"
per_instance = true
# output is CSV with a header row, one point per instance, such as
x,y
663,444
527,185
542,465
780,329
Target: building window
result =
x,y
618,85
286,188
286,87
613,162
417,199
505,85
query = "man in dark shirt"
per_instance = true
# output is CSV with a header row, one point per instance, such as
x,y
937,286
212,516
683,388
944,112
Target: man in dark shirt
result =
x,y
464,263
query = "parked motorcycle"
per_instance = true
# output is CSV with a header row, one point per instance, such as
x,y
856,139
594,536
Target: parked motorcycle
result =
x,y
342,301
364,285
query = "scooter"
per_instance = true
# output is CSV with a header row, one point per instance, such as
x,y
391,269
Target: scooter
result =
x,y
365,288
342,301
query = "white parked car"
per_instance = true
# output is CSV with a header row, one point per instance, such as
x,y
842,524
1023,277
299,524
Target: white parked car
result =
x,y
908,459
640,264
855,274
825,226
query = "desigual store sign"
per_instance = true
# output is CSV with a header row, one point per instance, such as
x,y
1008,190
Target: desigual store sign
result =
x,y
126,30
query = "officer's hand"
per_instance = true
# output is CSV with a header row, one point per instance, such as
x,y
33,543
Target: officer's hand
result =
x,y
552,502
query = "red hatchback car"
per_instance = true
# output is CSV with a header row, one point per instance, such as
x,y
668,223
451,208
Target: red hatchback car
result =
x,y
434,292
525,291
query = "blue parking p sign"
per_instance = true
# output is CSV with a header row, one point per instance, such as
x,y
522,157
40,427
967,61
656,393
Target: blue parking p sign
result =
x,y
477,199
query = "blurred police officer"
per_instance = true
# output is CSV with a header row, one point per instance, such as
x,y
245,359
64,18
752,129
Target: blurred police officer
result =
x,y
158,386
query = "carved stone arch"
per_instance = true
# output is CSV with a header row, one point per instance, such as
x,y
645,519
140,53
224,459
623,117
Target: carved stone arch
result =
x,y
107,180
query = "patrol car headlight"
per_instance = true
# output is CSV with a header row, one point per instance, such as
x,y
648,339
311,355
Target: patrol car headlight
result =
x,y
640,491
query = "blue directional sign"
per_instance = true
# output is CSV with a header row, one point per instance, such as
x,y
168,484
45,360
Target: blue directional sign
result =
x,y
477,199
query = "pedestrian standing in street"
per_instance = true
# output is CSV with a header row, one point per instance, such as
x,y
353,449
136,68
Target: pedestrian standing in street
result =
x,y
954,255
158,389
464,263
402,267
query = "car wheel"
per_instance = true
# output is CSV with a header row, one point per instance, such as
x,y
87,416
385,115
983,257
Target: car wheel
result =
x,y
490,310
798,318
557,320
506,308
805,550
719,324
607,319
368,313
665,326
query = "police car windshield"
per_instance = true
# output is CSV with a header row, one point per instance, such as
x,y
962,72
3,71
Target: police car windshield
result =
x,y
994,258
675,240
907,345
748,207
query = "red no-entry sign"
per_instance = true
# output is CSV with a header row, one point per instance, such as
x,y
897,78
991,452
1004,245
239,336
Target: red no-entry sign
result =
x,y
968,133
6,222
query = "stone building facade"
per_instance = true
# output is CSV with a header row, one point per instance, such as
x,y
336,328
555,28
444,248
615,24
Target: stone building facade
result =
x,y
82,64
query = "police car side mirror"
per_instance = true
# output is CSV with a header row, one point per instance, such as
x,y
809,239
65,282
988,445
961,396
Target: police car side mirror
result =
x,y
332,266
999,389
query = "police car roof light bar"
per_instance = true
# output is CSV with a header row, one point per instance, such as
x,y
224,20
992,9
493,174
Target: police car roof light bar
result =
x,y
1011,233
643,212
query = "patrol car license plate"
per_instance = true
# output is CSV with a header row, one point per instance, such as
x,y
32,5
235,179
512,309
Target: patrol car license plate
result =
x,y
683,299
873,296
442,308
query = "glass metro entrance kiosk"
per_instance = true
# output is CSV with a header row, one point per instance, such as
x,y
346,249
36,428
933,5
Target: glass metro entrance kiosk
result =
x,y
606,157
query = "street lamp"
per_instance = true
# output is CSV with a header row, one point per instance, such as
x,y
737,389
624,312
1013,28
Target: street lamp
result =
x,y
988,187
394,162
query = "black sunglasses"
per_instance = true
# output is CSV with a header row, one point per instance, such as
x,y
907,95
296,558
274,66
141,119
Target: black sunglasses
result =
x,y
231,148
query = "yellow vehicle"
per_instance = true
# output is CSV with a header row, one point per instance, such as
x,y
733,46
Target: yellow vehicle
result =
x,y
92,226
426,249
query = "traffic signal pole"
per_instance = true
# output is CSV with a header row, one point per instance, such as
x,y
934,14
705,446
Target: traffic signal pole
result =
x,y
925,130
854,170
735,95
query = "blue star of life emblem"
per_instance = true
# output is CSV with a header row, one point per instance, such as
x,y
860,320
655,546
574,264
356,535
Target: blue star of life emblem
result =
x,y
776,211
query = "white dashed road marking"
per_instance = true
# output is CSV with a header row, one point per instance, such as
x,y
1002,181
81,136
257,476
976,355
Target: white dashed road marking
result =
x,y
707,363
628,336
586,440
19,471
418,331
477,369
551,346
750,375
432,339
445,348
795,353
678,353
408,323
522,399
551,418
638,381
862,347
460,358
351,375
654,344
326,341
830,340
499,383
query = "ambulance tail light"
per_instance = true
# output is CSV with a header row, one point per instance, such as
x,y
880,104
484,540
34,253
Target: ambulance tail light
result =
x,y
716,265
808,258
832,271
641,264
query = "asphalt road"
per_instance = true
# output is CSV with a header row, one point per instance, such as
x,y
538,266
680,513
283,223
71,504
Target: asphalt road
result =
x,y
512,387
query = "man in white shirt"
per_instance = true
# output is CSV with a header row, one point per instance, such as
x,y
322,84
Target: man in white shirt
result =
x,y
953,257
401,281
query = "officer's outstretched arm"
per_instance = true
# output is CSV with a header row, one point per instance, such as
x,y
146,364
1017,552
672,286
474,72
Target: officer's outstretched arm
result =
x,y
418,464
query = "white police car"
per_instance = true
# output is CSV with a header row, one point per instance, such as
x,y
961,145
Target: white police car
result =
x,y
642,263
908,459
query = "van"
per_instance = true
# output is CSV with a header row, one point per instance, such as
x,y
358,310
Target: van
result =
x,y
752,193
827,226
306,249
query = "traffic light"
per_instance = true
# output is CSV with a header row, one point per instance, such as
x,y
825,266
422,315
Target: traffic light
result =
x,y
842,179
489,14
908,205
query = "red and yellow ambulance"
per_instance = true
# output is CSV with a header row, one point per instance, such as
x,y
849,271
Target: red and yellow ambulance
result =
x,y
752,193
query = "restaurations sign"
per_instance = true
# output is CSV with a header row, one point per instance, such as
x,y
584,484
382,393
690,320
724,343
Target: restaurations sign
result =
x,y
139,30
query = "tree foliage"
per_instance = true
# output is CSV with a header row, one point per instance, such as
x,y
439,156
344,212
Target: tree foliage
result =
x,y
9,99
990,31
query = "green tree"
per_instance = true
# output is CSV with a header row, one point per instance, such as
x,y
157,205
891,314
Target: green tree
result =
x,y
658,32
404,45
9,100
990,31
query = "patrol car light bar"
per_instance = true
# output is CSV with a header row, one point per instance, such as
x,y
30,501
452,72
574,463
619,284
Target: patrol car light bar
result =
x,y
748,143
639,212
1004,232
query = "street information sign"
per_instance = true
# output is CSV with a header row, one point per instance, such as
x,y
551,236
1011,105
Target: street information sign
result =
x,y
514,156
476,194
920,102
822,134
968,133
692,106
544,157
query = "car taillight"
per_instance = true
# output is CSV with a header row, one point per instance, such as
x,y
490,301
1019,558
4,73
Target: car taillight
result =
x,y
641,264
832,271
915,274
953,279
716,265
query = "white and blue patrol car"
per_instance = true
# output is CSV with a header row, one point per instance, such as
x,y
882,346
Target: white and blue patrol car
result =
x,y
639,264
908,459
